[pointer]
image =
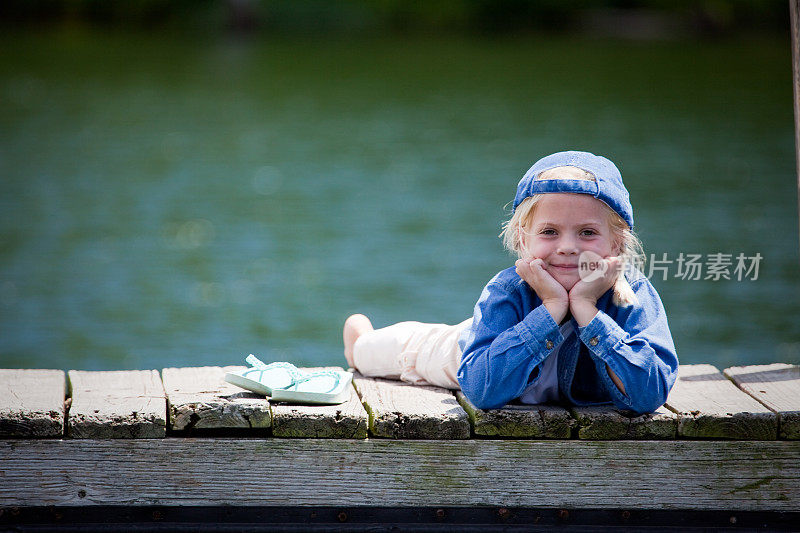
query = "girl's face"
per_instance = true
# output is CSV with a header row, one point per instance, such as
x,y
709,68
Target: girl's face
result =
x,y
563,226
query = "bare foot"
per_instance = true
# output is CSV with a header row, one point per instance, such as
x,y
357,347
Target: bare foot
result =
x,y
354,327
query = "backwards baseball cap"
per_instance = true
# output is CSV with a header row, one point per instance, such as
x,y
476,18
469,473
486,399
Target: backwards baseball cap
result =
x,y
607,186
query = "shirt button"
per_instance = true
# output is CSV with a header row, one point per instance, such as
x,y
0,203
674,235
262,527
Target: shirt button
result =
x,y
593,341
548,344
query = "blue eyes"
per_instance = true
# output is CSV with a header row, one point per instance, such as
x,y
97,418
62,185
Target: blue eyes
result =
x,y
584,233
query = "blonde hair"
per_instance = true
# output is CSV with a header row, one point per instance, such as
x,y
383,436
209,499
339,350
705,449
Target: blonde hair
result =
x,y
631,253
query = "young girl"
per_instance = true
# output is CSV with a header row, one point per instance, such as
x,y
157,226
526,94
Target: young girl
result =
x,y
574,322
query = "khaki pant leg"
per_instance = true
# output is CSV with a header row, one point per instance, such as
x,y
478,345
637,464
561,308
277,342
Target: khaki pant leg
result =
x,y
377,352
438,357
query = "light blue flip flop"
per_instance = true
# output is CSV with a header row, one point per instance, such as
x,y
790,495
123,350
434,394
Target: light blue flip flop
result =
x,y
323,387
265,379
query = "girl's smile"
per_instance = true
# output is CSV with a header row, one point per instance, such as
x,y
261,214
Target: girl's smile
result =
x,y
563,226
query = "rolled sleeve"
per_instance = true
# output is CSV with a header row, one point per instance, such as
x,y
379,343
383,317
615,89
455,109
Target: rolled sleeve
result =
x,y
539,331
602,336
637,346
602,333
504,347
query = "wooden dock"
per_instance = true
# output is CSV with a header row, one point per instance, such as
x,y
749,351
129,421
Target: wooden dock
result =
x,y
726,441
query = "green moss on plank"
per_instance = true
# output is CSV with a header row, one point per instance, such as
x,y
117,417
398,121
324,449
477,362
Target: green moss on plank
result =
x,y
528,422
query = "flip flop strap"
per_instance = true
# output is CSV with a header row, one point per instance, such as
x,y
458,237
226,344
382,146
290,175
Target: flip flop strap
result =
x,y
296,375
321,373
292,370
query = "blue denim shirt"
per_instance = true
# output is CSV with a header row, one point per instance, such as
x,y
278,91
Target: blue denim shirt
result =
x,y
512,334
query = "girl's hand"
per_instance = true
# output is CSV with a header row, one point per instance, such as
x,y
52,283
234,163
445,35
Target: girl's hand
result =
x,y
554,296
584,294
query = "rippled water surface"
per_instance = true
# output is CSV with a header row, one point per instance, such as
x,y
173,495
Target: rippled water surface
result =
x,y
170,202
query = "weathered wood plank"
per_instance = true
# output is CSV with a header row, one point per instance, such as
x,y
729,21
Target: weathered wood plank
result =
x,y
607,423
778,387
744,475
32,403
347,420
403,411
119,404
519,421
200,399
710,406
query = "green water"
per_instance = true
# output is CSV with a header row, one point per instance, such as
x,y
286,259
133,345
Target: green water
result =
x,y
172,202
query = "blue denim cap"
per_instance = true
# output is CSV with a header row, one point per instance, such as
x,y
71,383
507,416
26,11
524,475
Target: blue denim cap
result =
x,y
608,188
